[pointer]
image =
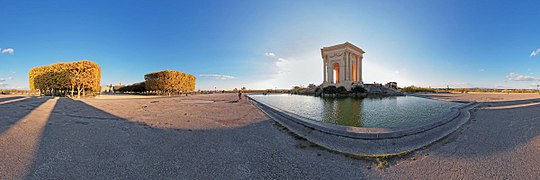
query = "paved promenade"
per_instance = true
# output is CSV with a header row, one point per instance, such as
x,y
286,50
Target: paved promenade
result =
x,y
502,141
213,137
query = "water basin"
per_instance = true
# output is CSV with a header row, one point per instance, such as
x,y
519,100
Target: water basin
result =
x,y
384,112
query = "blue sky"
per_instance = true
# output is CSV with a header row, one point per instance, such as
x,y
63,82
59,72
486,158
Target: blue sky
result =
x,y
269,44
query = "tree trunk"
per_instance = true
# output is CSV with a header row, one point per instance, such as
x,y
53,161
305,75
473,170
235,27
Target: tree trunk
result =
x,y
79,91
72,89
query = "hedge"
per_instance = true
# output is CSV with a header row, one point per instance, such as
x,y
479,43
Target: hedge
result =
x,y
81,76
169,81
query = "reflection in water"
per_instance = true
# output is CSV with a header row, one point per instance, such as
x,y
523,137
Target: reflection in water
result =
x,y
344,111
385,112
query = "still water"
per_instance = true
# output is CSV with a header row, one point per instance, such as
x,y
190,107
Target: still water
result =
x,y
386,112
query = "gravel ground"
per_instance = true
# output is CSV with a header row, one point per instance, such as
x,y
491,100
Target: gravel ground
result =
x,y
80,141
500,142
191,112
212,137
482,97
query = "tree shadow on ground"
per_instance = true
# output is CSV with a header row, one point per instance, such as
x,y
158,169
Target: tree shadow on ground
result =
x,y
13,112
81,141
513,102
10,98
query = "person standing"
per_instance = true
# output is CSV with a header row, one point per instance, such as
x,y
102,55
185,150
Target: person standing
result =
x,y
239,95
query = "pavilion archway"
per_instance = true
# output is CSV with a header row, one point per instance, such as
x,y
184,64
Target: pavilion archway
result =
x,y
335,71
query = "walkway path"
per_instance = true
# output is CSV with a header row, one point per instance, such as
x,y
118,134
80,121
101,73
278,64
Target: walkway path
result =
x,y
19,143
501,142
91,139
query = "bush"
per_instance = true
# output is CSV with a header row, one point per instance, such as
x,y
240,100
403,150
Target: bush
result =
x,y
342,90
330,90
60,77
137,87
118,87
358,89
413,89
297,89
169,81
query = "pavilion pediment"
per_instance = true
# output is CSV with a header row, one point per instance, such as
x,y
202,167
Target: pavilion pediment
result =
x,y
344,46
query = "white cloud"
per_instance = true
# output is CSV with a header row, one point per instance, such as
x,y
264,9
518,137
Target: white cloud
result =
x,y
269,54
518,77
301,66
534,53
9,87
279,61
8,51
217,76
482,70
4,79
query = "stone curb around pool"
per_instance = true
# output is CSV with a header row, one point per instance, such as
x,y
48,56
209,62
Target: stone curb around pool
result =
x,y
370,141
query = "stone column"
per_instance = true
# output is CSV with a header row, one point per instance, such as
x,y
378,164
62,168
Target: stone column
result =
x,y
360,68
347,57
325,72
330,72
343,67
350,67
353,64
357,72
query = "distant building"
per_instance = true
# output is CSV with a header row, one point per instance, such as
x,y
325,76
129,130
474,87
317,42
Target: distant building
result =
x,y
107,89
342,65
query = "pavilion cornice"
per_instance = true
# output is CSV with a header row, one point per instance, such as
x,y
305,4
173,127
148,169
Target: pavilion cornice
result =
x,y
343,46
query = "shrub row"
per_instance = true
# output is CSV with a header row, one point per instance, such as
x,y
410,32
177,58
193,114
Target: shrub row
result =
x,y
80,76
343,90
414,89
169,81
137,87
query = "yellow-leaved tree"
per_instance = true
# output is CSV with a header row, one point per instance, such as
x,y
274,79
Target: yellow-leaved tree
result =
x,y
80,76
169,81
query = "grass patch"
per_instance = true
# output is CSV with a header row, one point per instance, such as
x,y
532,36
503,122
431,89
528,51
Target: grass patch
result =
x,y
414,89
382,163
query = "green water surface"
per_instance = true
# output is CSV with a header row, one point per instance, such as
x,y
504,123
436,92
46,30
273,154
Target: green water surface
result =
x,y
386,112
